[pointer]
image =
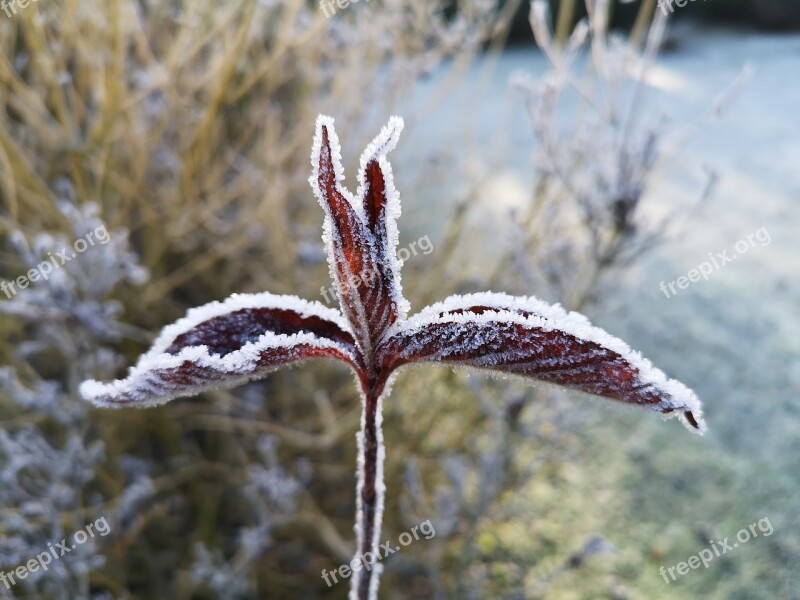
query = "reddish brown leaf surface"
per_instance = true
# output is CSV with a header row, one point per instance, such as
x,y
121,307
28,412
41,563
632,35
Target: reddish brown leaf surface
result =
x,y
358,242
229,332
508,339
226,344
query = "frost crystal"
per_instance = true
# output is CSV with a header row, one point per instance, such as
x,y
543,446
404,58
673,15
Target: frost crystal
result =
x,y
246,336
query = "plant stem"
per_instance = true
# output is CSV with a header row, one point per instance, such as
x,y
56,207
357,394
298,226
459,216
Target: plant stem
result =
x,y
369,500
643,21
566,16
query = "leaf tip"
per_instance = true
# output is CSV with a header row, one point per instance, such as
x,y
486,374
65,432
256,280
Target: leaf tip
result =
x,y
693,422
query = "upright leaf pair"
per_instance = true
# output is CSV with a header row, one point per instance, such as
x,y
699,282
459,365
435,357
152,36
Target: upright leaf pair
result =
x,y
224,344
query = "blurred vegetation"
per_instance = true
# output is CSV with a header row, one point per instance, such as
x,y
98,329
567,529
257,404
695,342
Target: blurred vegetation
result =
x,y
188,124
779,15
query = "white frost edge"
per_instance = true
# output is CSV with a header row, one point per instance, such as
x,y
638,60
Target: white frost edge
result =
x,y
336,159
380,495
328,229
380,146
385,142
240,362
550,317
235,302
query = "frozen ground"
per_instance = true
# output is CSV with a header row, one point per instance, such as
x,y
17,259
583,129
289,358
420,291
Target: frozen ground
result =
x,y
734,338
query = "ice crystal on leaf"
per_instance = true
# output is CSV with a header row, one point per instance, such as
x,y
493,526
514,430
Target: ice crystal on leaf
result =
x,y
224,344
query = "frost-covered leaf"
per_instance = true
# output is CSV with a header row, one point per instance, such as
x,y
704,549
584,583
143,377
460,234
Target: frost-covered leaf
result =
x,y
247,336
223,344
530,338
360,231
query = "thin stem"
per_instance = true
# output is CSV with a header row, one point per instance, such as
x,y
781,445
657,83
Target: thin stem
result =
x,y
369,500
566,16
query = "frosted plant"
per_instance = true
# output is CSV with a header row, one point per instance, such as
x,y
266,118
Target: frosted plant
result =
x,y
71,306
49,457
224,344
599,144
271,493
40,484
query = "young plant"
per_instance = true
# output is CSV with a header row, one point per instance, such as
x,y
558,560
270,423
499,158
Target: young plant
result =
x,y
224,344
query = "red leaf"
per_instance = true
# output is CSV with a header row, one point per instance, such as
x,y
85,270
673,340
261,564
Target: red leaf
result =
x,y
357,231
225,344
526,337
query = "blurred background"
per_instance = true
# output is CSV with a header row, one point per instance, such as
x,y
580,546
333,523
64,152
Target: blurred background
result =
x,y
586,153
